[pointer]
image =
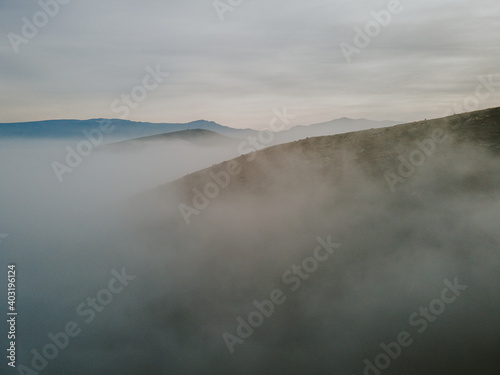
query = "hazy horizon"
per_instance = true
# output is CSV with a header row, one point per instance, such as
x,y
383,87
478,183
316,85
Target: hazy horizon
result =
x,y
235,67
200,119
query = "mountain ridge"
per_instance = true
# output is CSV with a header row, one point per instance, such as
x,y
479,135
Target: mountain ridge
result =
x,y
123,129
127,129
374,151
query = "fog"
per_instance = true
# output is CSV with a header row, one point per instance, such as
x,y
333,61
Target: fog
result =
x,y
191,282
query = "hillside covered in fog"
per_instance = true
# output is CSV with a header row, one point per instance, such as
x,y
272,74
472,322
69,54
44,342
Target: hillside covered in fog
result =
x,y
389,156
406,215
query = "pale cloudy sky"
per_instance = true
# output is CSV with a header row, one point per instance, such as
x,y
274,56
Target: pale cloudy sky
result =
x,y
265,54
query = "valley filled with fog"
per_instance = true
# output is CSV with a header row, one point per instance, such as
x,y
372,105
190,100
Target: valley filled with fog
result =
x,y
308,234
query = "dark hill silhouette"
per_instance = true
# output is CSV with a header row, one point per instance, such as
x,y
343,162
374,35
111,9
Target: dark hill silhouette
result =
x,y
198,137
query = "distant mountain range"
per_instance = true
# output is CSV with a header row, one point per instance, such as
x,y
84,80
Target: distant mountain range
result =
x,y
123,129
127,130
198,137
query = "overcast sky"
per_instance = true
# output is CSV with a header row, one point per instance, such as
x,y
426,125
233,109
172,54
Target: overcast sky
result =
x,y
265,54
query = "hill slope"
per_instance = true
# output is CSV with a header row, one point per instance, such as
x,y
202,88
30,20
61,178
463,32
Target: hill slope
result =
x,y
375,152
232,235
339,126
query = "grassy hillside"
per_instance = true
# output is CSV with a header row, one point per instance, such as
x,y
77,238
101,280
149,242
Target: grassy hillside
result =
x,y
374,152
229,235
